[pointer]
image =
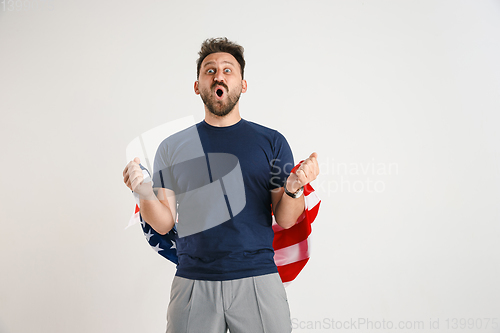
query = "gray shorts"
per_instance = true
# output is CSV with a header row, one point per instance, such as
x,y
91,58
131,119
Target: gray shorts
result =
x,y
251,305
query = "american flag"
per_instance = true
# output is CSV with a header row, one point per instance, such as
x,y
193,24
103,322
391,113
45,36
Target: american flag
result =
x,y
291,246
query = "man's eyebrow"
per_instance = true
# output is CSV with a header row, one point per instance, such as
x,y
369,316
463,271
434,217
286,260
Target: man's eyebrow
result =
x,y
213,62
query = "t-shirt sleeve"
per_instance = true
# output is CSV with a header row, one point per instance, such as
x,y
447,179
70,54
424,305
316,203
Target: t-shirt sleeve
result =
x,y
282,162
162,172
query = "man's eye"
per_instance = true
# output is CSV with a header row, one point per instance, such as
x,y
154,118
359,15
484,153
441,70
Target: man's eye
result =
x,y
210,71
227,70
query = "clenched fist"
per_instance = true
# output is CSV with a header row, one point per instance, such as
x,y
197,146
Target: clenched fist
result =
x,y
306,173
134,179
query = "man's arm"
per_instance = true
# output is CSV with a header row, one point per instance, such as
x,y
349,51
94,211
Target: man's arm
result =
x,y
286,209
158,210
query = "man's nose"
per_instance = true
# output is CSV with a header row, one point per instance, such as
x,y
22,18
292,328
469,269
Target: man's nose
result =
x,y
219,76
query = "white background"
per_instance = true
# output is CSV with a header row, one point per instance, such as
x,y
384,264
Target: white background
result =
x,y
409,87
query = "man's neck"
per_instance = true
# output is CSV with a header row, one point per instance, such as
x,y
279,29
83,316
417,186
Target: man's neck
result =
x,y
230,119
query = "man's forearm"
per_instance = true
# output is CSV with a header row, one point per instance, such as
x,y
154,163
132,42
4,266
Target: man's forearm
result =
x,y
157,215
288,210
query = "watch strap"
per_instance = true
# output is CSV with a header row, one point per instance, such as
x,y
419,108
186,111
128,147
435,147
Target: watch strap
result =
x,y
295,195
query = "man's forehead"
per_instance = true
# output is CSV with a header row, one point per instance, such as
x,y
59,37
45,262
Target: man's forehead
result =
x,y
219,57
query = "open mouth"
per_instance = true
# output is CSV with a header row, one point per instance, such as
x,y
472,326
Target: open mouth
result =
x,y
219,93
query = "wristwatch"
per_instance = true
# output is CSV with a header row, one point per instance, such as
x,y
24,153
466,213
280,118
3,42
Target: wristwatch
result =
x,y
296,194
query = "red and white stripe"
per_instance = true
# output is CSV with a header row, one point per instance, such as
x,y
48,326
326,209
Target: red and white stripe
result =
x,y
292,246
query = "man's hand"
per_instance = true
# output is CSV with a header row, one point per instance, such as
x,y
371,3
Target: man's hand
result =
x,y
306,173
134,179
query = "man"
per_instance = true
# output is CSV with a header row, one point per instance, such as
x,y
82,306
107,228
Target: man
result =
x,y
226,276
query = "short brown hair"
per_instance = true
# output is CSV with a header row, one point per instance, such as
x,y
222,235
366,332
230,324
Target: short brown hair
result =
x,y
220,44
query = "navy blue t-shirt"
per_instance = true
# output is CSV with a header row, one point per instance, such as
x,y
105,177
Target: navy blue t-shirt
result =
x,y
222,177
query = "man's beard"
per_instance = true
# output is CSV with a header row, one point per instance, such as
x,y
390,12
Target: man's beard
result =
x,y
223,107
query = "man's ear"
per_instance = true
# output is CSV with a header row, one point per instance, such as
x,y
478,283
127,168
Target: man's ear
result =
x,y
196,90
243,86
